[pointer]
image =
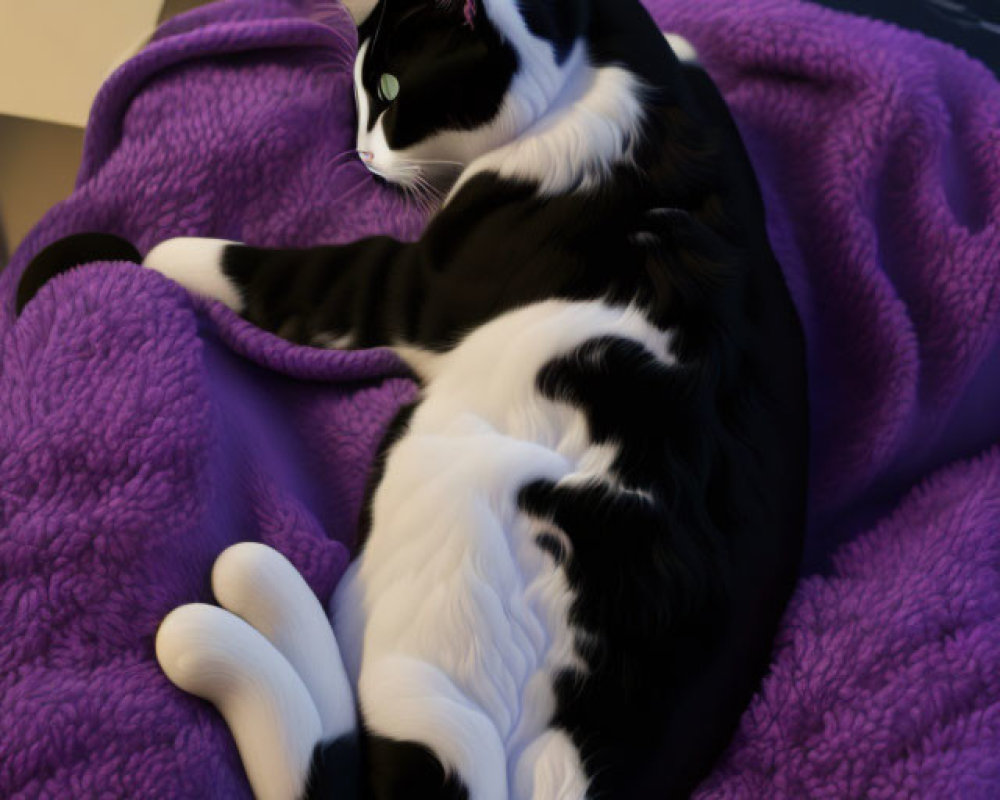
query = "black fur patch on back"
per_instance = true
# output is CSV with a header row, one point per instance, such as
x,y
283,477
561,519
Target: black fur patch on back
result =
x,y
646,561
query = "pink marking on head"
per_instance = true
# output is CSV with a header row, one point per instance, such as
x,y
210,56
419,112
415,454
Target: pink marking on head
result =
x,y
470,13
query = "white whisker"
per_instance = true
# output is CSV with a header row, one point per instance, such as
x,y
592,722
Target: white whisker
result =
x,y
341,158
434,162
363,183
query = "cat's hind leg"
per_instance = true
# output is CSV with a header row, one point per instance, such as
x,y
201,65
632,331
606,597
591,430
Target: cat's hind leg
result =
x,y
215,655
260,585
269,662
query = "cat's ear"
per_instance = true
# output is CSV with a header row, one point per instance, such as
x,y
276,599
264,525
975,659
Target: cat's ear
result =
x,y
360,10
467,10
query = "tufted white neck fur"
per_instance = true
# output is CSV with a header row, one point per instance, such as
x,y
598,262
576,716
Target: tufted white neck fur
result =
x,y
587,130
571,123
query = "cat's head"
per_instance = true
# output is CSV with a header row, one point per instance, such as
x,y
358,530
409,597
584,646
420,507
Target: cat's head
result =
x,y
439,83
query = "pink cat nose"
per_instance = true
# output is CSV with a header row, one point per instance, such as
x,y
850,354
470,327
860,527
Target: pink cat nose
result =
x,y
366,156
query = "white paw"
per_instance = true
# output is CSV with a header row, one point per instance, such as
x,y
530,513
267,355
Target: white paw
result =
x,y
260,585
213,654
268,661
196,264
682,48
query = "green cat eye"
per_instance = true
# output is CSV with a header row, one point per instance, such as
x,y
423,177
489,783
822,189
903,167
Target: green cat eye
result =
x,y
388,87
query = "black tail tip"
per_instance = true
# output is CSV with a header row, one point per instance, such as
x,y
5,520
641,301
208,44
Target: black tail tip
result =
x,y
65,254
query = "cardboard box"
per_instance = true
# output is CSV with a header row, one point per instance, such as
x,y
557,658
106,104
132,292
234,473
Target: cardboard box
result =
x,y
54,56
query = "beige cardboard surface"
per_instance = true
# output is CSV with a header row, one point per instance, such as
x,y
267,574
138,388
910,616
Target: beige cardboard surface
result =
x,y
38,165
54,55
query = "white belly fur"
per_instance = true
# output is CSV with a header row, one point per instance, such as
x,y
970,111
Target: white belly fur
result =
x,y
452,621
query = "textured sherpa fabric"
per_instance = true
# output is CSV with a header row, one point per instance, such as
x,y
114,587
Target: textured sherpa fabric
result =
x,y
142,431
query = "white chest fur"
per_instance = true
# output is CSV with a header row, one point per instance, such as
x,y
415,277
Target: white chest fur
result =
x,y
453,621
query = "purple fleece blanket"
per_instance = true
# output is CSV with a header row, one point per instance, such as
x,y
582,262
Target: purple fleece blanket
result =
x,y
142,431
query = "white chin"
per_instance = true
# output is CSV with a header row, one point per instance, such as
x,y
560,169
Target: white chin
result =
x,y
407,179
376,171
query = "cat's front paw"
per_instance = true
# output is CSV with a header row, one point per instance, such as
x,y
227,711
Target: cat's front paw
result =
x,y
199,266
68,253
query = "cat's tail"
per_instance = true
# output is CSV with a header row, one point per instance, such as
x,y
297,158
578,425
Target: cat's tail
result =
x,y
269,662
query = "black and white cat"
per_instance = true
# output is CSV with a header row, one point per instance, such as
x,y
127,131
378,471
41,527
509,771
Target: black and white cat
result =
x,y
580,539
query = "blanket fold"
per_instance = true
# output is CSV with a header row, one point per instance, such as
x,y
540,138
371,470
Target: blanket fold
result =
x,y
142,431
